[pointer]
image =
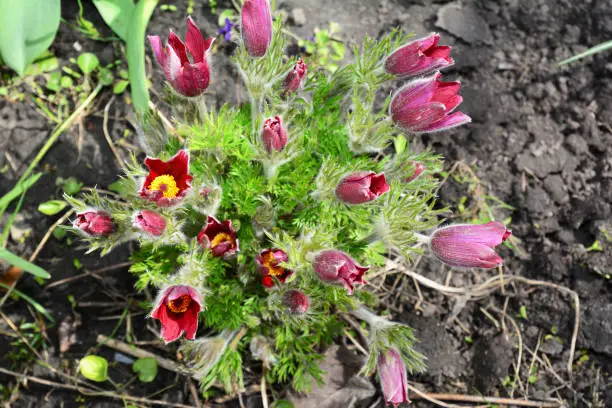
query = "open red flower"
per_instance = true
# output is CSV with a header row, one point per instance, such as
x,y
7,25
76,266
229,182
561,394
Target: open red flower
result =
x,y
220,237
177,308
167,182
269,264
186,77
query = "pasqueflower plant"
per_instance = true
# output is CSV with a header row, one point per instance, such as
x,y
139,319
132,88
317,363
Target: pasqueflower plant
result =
x,y
259,224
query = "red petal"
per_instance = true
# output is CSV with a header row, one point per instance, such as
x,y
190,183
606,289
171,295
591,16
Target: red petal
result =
x,y
178,47
171,329
195,41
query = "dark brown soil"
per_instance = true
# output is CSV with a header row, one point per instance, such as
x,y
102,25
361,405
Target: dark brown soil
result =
x,y
541,142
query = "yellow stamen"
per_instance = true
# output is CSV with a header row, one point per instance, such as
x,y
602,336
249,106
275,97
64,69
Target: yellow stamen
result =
x,y
166,184
272,264
180,304
220,238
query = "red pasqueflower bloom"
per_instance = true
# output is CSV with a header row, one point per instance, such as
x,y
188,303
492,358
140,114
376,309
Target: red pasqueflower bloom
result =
x,y
335,266
219,237
167,181
296,301
186,77
295,77
361,187
94,223
470,245
392,373
427,105
419,57
177,308
274,135
256,26
268,264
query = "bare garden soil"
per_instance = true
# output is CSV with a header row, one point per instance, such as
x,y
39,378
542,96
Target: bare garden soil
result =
x,y
540,141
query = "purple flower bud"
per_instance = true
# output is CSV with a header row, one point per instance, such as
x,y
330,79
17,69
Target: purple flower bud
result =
x,y
335,266
256,26
361,187
469,245
419,57
274,135
186,77
294,78
95,223
219,237
296,301
427,105
393,379
150,222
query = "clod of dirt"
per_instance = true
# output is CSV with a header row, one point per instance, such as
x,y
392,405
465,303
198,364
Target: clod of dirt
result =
x,y
297,17
596,327
495,357
465,23
343,386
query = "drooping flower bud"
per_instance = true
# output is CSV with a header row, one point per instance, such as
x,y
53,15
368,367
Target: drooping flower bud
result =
x,y
393,379
427,105
186,77
361,187
335,266
469,245
419,57
94,223
256,26
168,181
219,237
177,308
150,222
274,135
293,80
296,301
418,169
269,264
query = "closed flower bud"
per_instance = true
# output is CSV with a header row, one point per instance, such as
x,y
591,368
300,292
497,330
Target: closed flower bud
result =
x,y
256,26
186,77
177,308
293,80
296,301
150,222
168,181
219,237
274,135
361,187
417,169
338,267
269,264
468,245
95,223
427,105
393,379
419,57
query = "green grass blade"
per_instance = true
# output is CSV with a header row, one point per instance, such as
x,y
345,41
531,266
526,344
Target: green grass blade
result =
x,y
136,54
20,188
40,308
21,263
593,50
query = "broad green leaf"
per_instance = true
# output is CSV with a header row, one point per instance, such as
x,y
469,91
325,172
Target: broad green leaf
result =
x,y
117,14
21,263
94,368
120,86
27,28
88,62
136,54
40,308
146,367
16,191
52,207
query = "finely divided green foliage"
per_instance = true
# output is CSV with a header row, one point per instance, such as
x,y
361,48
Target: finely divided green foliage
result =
x,y
282,200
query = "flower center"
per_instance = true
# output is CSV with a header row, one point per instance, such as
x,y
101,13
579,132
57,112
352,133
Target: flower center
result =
x,y
180,304
166,184
272,264
220,238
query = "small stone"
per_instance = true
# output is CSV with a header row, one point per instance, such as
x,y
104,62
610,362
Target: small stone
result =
x,y
555,186
465,23
576,144
20,229
298,17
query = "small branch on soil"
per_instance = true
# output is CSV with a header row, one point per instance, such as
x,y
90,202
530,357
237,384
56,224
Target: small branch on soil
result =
x,y
437,398
485,289
91,393
140,353
109,140
88,273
